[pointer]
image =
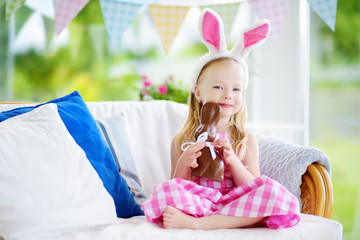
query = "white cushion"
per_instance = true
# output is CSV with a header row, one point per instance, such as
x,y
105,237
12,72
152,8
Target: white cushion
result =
x,y
47,185
149,127
310,227
114,134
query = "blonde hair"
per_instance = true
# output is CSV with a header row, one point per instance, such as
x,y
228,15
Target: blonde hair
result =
x,y
236,124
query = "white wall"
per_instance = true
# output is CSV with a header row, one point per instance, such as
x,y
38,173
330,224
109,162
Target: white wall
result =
x,y
279,79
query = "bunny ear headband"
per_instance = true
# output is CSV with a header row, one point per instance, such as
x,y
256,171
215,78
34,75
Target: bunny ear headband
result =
x,y
211,29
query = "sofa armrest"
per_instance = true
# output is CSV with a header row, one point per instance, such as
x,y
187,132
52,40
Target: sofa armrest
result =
x,y
316,191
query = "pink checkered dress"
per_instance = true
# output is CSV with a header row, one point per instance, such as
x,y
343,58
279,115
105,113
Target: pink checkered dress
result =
x,y
262,197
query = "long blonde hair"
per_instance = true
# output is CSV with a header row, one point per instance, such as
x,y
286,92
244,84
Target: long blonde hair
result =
x,y
236,124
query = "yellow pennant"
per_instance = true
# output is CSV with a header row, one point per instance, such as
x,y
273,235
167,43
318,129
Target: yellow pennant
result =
x,y
168,20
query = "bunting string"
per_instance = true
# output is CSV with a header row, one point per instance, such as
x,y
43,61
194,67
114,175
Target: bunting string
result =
x,y
119,14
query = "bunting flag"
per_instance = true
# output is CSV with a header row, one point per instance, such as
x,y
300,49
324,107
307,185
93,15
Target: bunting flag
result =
x,y
77,33
275,11
97,34
228,14
119,14
65,11
22,15
12,6
49,30
326,9
168,20
117,17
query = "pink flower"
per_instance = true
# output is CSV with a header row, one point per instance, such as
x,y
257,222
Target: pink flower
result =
x,y
147,83
162,89
144,76
144,93
169,79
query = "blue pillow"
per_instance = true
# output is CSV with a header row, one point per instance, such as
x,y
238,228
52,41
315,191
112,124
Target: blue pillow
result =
x,y
83,128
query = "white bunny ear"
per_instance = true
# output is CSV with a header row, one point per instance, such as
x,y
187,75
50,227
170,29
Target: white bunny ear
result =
x,y
251,37
211,30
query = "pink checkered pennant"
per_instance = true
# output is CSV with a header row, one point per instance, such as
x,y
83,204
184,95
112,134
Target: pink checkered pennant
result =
x,y
275,11
65,11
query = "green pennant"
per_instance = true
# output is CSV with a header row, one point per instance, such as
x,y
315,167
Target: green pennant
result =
x,y
97,33
12,6
77,33
228,14
49,29
21,17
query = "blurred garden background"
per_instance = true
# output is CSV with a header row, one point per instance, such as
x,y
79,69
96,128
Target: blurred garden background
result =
x,y
335,108
81,59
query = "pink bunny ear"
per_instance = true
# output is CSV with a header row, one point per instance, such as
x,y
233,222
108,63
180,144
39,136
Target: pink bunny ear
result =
x,y
256,35
251,38
212,31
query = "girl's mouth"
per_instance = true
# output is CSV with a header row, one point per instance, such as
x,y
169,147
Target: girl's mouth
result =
x,y
223,105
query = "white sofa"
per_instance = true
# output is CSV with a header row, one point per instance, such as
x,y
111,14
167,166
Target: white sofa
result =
x,y
149,127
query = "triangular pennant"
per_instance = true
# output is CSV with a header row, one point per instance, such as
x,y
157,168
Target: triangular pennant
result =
x,y
168,20
97,34
22,15
326,9
228,14
77,32
12,6
49,29
275,11
65,11
117,17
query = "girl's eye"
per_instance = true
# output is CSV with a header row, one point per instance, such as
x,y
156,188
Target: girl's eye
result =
x,y
217,87
237,89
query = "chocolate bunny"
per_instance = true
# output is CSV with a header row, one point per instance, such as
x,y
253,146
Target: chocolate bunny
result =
x,y
210,162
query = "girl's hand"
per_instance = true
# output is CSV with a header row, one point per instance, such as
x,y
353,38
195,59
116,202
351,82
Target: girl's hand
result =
x,y
243,170
187,160
226,150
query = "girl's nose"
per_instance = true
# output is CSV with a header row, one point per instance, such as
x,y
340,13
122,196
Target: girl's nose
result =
x,y
227,95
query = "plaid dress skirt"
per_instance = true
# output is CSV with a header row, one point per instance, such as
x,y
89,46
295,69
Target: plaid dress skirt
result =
x,y
262,197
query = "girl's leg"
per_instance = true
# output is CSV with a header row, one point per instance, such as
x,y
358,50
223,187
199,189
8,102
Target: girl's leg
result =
x,y
174,218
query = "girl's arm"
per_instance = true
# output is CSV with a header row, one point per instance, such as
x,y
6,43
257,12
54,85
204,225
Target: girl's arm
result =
x,y
246,170
183,163
251,160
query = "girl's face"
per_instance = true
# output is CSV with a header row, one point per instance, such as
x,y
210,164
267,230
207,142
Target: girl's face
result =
x,y
222,83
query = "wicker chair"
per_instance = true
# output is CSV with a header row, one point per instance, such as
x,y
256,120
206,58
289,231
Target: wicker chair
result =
x,y
316,191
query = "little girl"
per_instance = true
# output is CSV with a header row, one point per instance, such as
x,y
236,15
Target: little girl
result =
x,y
243,198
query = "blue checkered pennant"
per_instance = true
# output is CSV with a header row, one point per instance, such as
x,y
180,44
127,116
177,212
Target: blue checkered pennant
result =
x,y
326,9
117,17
